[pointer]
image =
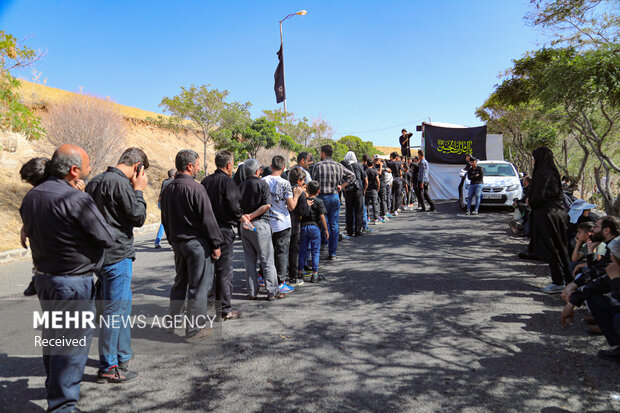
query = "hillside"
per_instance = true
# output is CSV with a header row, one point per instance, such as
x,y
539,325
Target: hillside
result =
x,y
160,146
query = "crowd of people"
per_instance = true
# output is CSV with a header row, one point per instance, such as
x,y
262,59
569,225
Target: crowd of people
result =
x,y
284,217
81,232
581,248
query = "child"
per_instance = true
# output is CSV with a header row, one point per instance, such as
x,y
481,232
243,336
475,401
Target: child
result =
x,y
584,231
311,233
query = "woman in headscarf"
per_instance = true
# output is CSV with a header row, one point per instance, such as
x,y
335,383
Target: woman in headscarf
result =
x,y
354,196
548,219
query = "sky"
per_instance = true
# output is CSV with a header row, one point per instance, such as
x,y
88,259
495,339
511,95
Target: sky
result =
x,y
369,68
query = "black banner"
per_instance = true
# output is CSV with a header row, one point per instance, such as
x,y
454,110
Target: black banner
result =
x,y
279,79
450,145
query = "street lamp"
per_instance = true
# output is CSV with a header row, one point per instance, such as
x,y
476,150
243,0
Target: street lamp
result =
x,y
299,13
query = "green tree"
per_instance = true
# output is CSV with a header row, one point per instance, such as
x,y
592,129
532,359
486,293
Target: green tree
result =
x,y
14,115
205,111
244,141
586,87
579,23
355,144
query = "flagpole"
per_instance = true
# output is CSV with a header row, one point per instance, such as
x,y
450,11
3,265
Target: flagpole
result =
x,y
282,54
299,13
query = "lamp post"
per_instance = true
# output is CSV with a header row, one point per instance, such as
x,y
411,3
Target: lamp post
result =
x,y
299,13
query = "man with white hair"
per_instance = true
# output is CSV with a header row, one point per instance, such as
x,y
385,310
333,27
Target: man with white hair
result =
x,y
256,236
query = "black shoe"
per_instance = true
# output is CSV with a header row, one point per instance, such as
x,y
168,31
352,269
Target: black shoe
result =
x,y
123,366
114,375
613,354
157,246
314,278
30,290
308,267
321,278
331,258
525,255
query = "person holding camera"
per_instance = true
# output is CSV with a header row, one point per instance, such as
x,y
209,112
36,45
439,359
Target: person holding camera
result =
x,y
118,193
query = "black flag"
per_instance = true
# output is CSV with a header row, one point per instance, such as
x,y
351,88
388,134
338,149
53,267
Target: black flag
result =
x,y
279,79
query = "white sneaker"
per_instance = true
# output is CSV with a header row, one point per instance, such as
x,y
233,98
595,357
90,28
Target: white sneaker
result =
x,y
553,289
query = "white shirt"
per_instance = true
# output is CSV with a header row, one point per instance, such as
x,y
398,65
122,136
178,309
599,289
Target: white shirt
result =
x,y
279,215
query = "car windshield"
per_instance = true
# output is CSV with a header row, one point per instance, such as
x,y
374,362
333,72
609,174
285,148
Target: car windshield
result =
x,y
497,169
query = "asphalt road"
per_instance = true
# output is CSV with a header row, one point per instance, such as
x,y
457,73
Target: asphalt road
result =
x,y
431,312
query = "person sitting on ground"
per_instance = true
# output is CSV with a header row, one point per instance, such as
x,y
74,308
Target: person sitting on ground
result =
x,y
580,251
311,232
605,230
602,296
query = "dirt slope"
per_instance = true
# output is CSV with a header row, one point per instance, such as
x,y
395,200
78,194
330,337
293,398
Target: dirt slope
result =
x,y
160,145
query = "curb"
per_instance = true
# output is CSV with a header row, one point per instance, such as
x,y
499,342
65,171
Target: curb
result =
x,y
9,256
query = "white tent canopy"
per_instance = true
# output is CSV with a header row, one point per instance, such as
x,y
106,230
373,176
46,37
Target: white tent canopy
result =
x,y
445,179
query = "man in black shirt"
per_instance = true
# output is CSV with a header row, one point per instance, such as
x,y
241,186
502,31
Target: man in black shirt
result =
x,y
372,193
193,232
415,171
67,236
164,184
118,195
256,234
224,195
397,186
404,140
475,174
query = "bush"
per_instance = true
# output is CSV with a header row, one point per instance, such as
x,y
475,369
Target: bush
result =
x,y
92,123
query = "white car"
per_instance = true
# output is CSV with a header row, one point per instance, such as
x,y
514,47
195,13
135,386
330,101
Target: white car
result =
x,y
500,185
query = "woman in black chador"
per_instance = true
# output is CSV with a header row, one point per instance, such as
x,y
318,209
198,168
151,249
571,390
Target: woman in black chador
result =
x,y
548,219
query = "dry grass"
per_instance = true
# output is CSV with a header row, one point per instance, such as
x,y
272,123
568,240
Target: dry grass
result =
x,y
386,150
160,145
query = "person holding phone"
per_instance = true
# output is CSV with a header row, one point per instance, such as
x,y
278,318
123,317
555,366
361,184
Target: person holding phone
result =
x,y
118,193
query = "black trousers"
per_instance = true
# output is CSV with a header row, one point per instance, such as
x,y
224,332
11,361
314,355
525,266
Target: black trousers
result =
x,y
354,211
293,256
281,243
425,195
383,200
418,193
223,282
193,281
372,203
606,311
64,366
560,273
397,190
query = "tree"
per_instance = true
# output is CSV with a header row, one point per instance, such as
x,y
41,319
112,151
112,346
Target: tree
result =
x,y
303,133
586,87
244,141
90,122
205,111
579,23
14,115
355,144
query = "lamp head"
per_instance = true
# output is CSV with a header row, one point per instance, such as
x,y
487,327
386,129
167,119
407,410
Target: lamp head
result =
x,y
302,12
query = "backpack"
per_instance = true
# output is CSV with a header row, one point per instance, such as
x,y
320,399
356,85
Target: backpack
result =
x,y
355,185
